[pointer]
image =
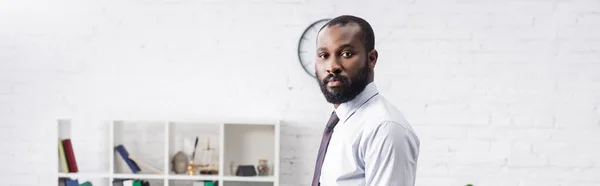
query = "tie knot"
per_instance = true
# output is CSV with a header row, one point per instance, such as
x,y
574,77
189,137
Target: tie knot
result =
x,y
333,120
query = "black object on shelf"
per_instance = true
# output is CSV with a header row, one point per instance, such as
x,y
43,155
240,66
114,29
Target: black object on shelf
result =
x,y
246,170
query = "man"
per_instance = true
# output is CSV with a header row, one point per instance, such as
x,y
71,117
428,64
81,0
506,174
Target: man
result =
x,y
367,141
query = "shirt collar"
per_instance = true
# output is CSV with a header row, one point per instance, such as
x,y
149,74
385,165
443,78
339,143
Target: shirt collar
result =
x,y
345,110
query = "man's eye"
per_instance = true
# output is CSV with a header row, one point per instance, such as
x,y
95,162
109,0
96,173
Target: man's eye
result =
x,y
323,55
346,54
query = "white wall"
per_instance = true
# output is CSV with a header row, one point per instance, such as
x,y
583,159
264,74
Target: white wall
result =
x,y
502,92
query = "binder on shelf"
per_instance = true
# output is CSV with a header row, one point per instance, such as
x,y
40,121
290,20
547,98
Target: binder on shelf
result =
x,y
125,155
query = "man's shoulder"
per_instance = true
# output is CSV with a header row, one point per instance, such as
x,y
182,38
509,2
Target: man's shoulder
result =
x,y
379,113
381,110
384,124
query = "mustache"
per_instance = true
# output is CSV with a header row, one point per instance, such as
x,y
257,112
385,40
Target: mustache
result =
x,y
331,77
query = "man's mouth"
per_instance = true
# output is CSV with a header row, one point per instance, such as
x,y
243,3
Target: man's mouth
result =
x,y
334,83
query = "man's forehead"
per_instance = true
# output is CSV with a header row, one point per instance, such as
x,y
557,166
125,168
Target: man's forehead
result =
x,y
339,33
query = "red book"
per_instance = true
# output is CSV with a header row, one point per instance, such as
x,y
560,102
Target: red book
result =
x,y
70,155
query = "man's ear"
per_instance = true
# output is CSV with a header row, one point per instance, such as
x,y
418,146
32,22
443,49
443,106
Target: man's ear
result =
x,y
373,55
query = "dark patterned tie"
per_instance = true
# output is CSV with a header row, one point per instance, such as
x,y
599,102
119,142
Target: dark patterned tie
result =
x,y
333,120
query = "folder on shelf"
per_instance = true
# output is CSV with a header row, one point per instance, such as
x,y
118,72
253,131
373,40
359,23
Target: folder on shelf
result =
x,y
125,155
70,155
62,158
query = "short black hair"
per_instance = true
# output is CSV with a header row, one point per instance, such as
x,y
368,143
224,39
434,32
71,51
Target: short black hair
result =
x,y
368,37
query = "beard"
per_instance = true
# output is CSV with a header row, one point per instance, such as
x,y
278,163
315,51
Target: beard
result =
x,y
350,87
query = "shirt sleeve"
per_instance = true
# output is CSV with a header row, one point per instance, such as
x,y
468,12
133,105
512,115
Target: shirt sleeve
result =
x,y
391,153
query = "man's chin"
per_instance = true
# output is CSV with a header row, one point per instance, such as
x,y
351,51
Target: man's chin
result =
x,y
336,98
335,90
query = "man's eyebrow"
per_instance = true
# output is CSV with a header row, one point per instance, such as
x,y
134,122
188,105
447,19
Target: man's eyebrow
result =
x,y
344,46
348,45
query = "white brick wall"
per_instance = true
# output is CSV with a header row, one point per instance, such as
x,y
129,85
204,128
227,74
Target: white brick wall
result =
x,y
501,92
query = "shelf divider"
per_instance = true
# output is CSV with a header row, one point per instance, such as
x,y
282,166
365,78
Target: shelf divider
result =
x,y
167,129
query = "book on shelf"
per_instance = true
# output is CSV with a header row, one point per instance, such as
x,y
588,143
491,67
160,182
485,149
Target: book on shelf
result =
x,y
62,159
125,156
72,182
68,182
67,157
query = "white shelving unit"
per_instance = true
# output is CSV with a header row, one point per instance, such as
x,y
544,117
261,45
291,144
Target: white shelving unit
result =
x,y
156,142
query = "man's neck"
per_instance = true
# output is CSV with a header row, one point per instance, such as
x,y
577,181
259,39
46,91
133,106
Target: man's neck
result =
x,y
335,106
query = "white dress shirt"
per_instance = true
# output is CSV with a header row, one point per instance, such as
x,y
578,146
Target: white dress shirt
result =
x,y
371,145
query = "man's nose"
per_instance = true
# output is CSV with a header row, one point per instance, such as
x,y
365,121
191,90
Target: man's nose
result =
x,y
334,67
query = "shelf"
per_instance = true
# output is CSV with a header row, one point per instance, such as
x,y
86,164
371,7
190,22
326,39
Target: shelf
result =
x,y
197,177
249,178
154,143
170,177
138,176
82,175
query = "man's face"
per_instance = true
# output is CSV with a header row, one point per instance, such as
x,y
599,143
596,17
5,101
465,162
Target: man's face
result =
x,y
342,65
